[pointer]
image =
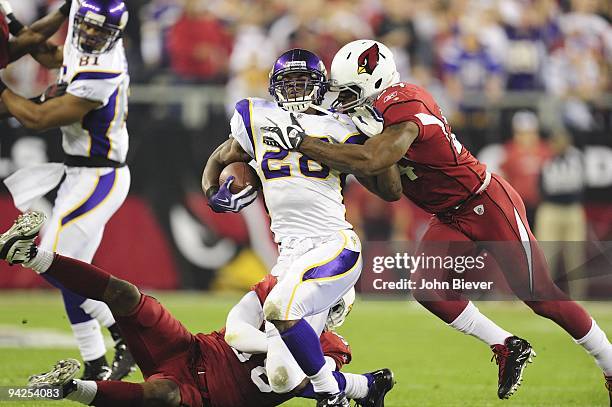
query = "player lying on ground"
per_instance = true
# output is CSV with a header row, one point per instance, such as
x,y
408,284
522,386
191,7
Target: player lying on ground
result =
x,y
179,368
320,255
91,110
470,204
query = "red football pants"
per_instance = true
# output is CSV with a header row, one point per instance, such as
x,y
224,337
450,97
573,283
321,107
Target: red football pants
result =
x,y
496,221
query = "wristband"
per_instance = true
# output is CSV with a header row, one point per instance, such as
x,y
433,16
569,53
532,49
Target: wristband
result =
x,y
3,87
15,25
212,191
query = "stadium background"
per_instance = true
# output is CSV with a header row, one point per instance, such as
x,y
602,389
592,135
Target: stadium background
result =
x,y
191,60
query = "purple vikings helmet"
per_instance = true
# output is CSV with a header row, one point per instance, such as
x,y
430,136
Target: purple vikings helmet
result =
x,y
98,25
297,95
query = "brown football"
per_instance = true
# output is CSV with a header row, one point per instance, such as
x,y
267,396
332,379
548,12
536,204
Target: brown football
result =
x,y
244,175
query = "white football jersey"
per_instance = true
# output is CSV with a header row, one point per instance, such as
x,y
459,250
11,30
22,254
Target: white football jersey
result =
x,y
103,78
303,197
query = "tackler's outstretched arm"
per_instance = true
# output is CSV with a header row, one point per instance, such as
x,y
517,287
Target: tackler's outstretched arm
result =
x,y
374,157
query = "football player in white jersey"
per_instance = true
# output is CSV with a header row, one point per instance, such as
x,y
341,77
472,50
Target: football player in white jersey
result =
x,y
92,115
320,255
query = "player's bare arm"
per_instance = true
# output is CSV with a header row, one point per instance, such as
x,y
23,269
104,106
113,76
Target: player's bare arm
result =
x,y
372,158
30,39
228,152
57,112
49,55
387,185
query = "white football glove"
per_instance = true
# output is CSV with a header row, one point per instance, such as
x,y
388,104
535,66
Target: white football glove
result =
x,y
6,7
367,120
289,139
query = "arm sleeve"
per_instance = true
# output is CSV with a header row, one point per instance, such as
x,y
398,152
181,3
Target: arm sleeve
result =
x,y
95,86
337,348
243,325
240,125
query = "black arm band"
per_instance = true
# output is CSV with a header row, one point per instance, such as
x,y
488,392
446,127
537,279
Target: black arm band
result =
x,y
211,191
15,25
65,9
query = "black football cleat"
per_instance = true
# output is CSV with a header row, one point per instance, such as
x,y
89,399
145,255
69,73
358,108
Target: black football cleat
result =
x,y
97,370
382,384
123,363
511,357
609,387
333,400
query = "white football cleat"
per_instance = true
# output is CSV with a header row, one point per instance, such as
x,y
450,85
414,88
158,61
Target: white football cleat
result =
x,y
59,376
17,244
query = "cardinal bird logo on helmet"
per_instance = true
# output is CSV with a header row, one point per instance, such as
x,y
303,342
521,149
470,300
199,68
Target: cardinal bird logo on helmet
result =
x,y
368,60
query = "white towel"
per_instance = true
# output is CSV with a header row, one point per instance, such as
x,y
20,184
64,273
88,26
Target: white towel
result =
x,y
29,184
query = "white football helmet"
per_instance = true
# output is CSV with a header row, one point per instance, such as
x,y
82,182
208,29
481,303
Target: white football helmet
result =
x,y
364,67
340,310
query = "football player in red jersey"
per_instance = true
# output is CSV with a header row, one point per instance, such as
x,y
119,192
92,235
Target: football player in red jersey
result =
x,y
469,204
181,368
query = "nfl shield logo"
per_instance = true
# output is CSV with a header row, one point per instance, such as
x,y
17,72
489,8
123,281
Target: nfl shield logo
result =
x,y
479,209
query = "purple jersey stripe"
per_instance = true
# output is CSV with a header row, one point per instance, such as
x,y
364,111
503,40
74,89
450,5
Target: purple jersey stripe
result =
x,y
97,123
356,139
244,108
103,188
341,264
95,75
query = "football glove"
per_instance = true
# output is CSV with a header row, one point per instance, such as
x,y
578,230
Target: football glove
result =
x,y
53,91
368,120
222,200
286,140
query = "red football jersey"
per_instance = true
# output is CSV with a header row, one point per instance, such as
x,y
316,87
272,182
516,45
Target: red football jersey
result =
x,y
4,39
438,172
234,378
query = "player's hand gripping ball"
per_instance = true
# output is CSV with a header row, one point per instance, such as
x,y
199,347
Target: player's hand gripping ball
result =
x,y
239,185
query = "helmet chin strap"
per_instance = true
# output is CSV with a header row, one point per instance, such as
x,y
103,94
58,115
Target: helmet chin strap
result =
x,y
327,112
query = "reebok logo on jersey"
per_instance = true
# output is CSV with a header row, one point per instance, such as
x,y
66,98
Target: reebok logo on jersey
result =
x,y
389,97
479,210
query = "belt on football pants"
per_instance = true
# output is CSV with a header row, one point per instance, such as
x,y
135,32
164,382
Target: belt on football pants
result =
x,y
91,162
454,209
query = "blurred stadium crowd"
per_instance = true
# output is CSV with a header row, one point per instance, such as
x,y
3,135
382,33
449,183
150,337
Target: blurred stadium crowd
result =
x,y
524,83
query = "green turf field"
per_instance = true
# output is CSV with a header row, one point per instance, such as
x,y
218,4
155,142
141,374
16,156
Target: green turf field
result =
x,y
434,366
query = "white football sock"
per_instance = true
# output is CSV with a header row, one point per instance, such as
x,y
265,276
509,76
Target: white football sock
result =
x,y
85,392
597,345
41,262
472,322
99,311
356,385
89,339
284,374
324,381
